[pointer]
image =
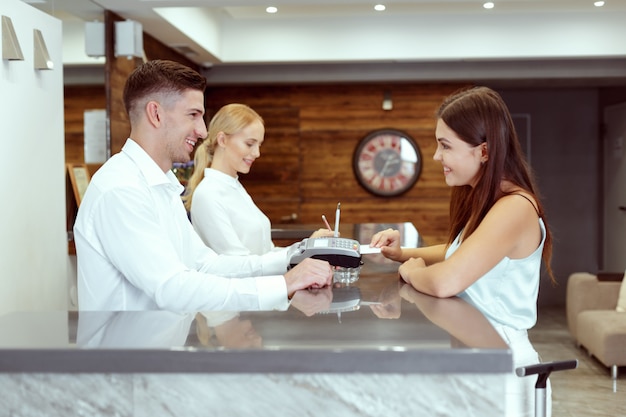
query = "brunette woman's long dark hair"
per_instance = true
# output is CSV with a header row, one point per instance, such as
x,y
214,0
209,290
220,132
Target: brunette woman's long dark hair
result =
x,y
478,115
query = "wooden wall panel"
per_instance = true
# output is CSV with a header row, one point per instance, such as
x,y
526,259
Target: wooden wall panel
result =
x,y
120,68
306,160
276,179
77,99
332,120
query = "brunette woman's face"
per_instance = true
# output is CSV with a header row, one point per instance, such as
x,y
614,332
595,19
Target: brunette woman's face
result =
x,y
461,161
238,151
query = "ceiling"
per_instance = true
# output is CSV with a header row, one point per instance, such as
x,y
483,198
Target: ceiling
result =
x,y
571,37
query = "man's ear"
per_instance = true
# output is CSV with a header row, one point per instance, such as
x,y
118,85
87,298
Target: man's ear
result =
x,y
153,112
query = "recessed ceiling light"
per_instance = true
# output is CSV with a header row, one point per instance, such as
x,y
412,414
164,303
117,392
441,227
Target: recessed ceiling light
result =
x,y
598,3
380,7
271,9
489,5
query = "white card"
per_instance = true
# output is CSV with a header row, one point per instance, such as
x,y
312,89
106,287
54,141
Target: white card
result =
x,y
366,249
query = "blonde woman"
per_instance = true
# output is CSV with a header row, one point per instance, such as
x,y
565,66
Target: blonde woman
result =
x,y
222,211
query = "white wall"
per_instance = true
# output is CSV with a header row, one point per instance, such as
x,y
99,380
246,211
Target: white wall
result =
x,y
33,242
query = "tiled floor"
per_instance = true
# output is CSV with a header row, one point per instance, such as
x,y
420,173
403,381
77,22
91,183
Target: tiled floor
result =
x,y
586,391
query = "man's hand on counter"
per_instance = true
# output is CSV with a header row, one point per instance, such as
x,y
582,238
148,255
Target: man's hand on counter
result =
x,y
310,273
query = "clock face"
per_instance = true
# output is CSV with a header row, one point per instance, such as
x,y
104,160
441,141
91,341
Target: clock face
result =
x,y
387,162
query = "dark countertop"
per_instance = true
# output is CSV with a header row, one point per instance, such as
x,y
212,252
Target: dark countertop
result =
x,y
362,232
375,325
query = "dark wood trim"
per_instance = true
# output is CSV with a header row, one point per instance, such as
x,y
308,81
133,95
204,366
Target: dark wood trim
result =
x,y
610,276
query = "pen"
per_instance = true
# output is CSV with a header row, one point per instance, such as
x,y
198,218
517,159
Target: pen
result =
x,y
337,214
326,223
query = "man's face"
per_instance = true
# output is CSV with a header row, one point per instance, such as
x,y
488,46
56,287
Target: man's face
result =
x,y
183,124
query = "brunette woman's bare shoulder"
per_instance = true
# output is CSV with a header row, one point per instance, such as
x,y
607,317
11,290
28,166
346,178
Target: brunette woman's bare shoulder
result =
x,y
520,197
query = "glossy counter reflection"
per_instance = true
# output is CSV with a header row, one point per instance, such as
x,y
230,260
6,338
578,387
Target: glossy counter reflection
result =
x,y
339,318
377,325
345,351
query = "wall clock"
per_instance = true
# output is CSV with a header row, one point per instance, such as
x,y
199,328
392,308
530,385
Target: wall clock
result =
x,y
387,162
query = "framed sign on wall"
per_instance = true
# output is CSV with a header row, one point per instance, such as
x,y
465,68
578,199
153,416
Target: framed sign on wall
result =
x,y
79,179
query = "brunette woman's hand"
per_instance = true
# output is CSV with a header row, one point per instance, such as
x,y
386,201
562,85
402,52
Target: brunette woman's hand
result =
x,y
389,243
410,266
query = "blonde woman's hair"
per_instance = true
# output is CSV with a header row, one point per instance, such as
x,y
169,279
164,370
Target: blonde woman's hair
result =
x,y
230,119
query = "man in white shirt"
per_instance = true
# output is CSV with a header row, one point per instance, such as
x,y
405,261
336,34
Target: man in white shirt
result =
x,y
136,249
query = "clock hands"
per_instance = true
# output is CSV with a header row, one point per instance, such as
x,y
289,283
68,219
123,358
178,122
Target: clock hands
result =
x,y
390,159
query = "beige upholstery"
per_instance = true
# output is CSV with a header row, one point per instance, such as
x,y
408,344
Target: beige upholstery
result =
x,y
603,334
593,321
585,292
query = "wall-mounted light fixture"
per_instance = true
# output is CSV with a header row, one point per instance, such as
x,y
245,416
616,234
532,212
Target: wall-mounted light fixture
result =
x,y
387,101
128,39
94,39
10,46
42,57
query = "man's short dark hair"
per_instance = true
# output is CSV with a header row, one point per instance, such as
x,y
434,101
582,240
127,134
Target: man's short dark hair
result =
x,y
160,76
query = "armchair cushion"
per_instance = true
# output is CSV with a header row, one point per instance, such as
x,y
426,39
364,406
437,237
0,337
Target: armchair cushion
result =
x,y
593,317
586,292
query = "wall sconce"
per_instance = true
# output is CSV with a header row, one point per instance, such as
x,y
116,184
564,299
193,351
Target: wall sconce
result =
x,y
94,39
387,101
10,46
42,57
128,39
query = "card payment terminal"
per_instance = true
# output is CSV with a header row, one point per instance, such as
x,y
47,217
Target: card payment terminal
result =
x,y
337,251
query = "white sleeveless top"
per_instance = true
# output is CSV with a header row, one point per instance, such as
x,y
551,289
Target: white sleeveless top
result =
x,y
507,294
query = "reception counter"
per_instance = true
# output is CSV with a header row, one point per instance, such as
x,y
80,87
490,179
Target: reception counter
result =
x,y
374,347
